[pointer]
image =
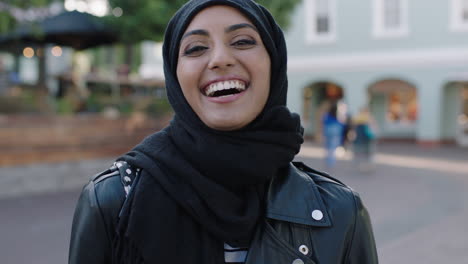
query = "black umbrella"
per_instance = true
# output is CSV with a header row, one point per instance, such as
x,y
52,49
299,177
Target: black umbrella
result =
x,y
74,29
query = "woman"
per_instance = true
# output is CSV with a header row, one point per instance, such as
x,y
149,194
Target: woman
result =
x,y
217,185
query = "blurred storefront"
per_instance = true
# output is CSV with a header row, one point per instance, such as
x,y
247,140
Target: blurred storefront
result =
x,y
397,59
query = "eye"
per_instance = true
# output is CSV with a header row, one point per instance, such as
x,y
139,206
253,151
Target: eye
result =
x,y
195,51
244,43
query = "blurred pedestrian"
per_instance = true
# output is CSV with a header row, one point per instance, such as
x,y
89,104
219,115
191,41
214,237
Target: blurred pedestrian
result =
x,y
4,79
217,185
79,68
333,134
345,117
364,140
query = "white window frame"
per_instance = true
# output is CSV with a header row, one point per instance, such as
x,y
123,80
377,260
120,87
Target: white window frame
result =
x,y
457,24
378,25
312,36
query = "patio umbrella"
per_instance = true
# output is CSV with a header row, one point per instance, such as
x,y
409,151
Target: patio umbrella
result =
x,y
73,29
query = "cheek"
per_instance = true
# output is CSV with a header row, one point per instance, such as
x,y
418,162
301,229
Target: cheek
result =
x,y
188,77
263,67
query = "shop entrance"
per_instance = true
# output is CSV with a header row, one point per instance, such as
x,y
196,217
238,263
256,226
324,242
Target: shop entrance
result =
x,y
455,113
394,106
316,99
462,120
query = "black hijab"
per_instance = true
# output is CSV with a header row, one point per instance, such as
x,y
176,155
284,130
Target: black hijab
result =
x,y
201,187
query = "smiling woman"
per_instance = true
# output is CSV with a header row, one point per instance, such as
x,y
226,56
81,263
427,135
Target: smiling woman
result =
x,y
218,185
224,68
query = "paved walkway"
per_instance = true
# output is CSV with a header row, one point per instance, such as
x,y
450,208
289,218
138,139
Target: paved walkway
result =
x,y
417,198
443,159
48,177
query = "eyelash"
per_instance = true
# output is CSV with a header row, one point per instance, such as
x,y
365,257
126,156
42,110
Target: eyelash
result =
x,y
195,49
239,43
244,42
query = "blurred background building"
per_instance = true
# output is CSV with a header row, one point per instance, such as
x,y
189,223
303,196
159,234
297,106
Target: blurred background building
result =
x,y
406,60
69,108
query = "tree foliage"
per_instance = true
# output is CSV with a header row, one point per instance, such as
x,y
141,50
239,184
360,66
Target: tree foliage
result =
x,y
147,19
8,22
143,19
280,9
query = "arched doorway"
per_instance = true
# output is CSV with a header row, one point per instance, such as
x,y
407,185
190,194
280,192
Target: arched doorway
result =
x,y
316,99
455,113
394,106
462,120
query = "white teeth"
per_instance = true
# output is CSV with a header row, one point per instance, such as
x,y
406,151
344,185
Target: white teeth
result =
x,y
214,87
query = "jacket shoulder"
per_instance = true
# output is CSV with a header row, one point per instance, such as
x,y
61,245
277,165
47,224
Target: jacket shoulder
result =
x,y
104,195
349,215
95,218
109,192
318,176
339,197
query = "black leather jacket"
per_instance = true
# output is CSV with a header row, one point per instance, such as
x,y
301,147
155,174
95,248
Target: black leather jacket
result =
x,y
311,219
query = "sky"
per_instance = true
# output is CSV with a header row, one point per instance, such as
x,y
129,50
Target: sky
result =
x,y
95,7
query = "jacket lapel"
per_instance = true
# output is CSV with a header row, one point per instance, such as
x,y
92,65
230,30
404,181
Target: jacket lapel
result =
x,y
295,198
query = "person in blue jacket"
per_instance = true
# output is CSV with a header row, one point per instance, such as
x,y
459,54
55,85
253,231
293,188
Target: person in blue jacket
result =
x,y
333,134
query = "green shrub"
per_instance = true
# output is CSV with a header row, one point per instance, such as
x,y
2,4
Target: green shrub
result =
x,y
25,102
64,106
158,107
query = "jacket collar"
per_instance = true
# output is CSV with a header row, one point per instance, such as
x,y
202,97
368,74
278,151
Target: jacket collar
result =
x,y
294,197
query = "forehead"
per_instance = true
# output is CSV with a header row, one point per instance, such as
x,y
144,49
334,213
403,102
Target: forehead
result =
x,y
218,15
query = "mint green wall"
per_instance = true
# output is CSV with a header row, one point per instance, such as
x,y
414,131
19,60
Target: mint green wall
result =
x,y
428,28
450,110
377,106
429,82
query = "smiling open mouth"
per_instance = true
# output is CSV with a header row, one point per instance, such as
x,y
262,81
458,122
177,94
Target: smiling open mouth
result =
x,y
225,88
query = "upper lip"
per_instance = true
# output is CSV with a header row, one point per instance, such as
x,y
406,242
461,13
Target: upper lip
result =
x,y
222,79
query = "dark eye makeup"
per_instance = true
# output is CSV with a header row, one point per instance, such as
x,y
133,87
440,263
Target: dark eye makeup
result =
x,y
238,42
244,42
194,50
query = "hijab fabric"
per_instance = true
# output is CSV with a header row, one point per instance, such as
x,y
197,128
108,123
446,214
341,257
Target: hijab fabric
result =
x,y
201,187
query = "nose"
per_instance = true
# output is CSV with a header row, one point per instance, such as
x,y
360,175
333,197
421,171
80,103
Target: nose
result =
x,y
221,57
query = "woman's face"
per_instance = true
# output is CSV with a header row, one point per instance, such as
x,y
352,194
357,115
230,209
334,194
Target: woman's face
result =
x,y
224,68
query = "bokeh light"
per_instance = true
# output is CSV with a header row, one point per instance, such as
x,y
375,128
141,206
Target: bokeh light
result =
x,y
28,52
95,7
56,51
98,8
70,5
81,6
117,12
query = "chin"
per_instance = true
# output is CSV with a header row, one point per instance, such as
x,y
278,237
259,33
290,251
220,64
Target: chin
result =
x,y
225,127
222,125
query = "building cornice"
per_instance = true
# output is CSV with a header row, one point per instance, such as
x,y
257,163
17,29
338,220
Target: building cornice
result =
x,y
391,59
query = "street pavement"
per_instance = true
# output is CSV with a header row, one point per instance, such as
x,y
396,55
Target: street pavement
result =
x,y
417,198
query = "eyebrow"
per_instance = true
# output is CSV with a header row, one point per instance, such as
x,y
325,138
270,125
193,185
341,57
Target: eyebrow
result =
x,y
195,32
229,29
239,26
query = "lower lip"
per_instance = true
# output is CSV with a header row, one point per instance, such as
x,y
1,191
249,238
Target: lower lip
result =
x,y
225,99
